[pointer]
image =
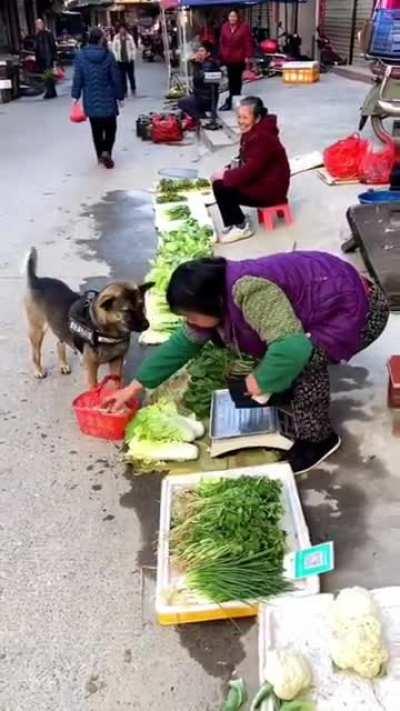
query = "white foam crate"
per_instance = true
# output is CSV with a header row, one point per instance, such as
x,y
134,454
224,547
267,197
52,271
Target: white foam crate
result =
x,y
293,523
302,625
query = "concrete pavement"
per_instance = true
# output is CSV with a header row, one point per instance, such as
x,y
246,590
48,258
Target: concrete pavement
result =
x,y
77,538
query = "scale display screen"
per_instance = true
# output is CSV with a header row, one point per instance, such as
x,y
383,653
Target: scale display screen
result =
x,y
385,35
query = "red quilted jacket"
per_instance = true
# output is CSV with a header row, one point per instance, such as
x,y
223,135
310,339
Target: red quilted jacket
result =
x,y
264,173
236,46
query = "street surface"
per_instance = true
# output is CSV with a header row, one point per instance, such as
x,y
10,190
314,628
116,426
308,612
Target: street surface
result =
x,y
77,538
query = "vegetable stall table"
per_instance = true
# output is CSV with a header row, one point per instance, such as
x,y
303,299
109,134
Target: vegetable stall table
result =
x,y
376,232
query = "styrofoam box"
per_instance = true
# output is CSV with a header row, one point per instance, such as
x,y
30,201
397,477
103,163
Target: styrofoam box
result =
x,y
196,202
302,625
293,523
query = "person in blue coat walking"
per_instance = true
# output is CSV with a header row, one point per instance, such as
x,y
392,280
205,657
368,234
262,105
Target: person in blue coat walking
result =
x,y
97,78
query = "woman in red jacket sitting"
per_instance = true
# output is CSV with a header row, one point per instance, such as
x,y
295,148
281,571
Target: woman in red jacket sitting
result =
x,y
263,175
236,48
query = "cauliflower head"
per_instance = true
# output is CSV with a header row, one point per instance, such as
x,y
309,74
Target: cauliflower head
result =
x,y
353,603
356,640
289,673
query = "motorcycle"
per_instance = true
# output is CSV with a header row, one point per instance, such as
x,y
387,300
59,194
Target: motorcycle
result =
x,y
378,41
382,103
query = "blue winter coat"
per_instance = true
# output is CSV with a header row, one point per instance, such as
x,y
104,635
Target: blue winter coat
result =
x,y
97,77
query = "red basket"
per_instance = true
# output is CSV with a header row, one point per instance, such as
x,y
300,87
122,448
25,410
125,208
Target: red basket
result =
x,y
94,421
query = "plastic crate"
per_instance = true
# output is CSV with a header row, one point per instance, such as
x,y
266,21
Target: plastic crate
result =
x,y
293,523
300,72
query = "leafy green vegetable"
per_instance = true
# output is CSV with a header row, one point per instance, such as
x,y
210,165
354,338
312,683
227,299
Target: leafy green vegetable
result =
x,y
226,534
160,422
208,372
237,695
191,241
170,197
168,185
181,212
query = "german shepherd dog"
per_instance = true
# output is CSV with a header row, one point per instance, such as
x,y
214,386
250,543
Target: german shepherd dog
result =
x,y
98,324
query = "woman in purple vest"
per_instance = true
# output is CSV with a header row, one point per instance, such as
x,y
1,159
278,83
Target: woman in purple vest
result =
x,y
294,313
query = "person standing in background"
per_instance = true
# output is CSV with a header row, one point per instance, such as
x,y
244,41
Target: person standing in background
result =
x,y
125,53
236,48
46,54
97,77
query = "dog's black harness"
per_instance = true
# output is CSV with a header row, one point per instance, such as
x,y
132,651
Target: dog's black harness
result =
x,y
82,327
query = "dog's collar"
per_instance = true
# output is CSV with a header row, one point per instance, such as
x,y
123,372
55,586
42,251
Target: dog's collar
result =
x,y
82,327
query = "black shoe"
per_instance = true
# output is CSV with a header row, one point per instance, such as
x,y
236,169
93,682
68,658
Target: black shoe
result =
x,y
227,106
305,455
107,161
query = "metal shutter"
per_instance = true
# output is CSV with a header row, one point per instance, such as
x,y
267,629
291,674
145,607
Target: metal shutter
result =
x,y
337,25
364,10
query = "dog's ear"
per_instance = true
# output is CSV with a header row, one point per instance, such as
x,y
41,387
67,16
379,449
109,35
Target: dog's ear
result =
x,y
146,286
107,303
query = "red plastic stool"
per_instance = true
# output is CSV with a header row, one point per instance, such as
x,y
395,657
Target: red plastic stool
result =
x,y
268,215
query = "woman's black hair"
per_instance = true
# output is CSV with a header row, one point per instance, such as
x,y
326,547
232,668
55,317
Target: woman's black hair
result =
x,y
96,35
207,46
256,104
198,286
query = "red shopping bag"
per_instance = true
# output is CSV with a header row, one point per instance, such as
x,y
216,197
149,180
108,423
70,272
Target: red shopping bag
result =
x,y
77,114
166,129
377,163
342,159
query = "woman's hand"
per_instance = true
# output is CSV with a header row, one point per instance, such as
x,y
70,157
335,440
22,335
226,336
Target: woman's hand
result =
x,y
119,399
253,387
218,175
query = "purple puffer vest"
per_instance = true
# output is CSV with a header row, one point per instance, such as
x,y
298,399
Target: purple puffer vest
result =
x,y
327,295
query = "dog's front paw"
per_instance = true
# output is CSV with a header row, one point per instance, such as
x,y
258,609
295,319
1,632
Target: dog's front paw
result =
x,y
65,369
40,373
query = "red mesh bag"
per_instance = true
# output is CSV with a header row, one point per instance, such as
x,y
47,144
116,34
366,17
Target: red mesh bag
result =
x,y
342,159
376,164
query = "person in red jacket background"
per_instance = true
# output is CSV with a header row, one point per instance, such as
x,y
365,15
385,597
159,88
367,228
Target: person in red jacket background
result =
x,y
262,176
236,48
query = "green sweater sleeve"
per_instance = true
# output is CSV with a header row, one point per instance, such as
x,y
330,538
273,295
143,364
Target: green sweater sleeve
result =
x,y
181,347
283,363
269,312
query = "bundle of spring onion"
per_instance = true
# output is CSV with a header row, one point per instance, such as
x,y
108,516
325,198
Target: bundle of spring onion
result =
x,y
159,433
226,537
208,372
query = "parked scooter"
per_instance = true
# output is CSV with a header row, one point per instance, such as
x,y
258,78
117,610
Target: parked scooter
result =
x,y
382,102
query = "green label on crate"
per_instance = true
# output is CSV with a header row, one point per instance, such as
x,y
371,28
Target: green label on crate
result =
x,y
314,561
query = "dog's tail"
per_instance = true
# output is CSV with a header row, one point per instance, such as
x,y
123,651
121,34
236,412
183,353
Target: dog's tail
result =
x,y
30,267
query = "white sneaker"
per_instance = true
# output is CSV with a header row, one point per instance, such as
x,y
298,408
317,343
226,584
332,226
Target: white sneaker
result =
x,y
236,233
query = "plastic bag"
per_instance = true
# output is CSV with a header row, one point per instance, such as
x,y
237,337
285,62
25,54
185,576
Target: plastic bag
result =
x,y
77,114
342,160
166,129
376,164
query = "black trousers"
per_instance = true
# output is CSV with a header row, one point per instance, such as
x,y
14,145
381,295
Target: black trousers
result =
x,y
229,201
194,106
127,69
235,72
104,131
